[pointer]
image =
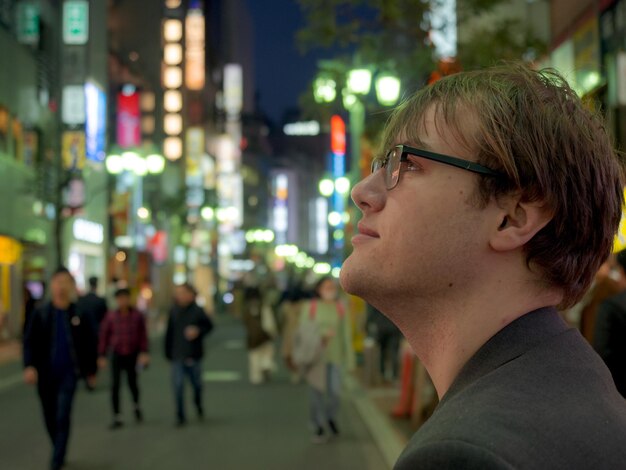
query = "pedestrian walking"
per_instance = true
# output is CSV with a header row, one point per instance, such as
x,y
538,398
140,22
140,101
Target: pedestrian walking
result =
x,y
387,337
187,327
92,305
495,200
124,338
290,308
322,348
59,348
260,325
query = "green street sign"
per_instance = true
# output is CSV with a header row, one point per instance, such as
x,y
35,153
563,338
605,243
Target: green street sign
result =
x,y
28,23
75,22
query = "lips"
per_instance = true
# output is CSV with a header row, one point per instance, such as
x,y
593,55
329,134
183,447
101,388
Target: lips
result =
x,y
363,230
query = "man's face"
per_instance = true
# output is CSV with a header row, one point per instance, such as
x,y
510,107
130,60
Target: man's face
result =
x,y
123,301
182,296
62,288
422,238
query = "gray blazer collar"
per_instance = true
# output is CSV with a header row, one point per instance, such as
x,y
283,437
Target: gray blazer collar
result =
x,y
511,342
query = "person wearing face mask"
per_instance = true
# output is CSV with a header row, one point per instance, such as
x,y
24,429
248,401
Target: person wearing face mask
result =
x,y
324,376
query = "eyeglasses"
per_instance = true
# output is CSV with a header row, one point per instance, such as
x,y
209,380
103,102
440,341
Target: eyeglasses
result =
x,y
392,163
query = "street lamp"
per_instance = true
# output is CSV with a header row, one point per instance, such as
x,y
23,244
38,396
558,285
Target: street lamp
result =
x,y
324,90
387,89
155,163
342,185
207,213
114,164
326,187
359,81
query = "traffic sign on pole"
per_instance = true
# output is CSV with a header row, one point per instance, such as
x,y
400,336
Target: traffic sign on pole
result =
x,y
75,22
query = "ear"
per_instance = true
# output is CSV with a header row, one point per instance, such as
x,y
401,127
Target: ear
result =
x,y
518,223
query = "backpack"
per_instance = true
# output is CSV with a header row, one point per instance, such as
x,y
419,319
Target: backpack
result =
x,y
307,341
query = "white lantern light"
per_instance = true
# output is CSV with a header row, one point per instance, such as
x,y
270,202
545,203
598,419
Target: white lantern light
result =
x,y
173,124
173,54
172,77
173,148
172,101
172,30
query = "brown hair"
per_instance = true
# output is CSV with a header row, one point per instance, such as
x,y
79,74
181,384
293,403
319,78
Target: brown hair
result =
x,y
531,126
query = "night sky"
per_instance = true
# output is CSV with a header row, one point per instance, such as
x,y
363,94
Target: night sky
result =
x,y
282,73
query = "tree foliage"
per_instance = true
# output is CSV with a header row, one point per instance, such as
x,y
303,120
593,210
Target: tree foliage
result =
x,y
391,35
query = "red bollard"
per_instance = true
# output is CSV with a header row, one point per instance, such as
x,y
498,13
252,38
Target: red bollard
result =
x,y
404,407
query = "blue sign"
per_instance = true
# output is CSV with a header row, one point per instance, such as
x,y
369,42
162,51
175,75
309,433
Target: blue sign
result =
x,y
95,125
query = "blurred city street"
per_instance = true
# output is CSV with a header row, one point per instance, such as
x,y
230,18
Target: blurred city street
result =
x,y
246,426
165,164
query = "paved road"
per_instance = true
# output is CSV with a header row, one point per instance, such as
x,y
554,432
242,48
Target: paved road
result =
x,y
246,427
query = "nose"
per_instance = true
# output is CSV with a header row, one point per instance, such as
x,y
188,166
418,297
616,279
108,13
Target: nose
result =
x,y
370,193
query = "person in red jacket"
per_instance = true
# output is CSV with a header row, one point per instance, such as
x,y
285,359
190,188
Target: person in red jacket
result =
x,y
123,336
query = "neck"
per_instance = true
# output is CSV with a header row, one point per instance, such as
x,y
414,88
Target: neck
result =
x,y
61,304
445,333
125,310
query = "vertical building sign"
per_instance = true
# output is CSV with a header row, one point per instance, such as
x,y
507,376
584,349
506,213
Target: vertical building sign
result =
x,y
73,150
128,119
95,124
338,167
233,89
194,50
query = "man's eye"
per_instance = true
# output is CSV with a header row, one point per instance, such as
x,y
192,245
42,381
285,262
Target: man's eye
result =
x,y
412,165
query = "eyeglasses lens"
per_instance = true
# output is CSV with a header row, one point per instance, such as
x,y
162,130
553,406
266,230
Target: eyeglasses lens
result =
x,y
392,173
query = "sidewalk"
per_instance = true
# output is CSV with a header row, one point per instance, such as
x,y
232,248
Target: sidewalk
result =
x,y
392,414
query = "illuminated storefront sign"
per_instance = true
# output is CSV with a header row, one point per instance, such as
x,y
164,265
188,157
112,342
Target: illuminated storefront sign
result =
x,y
95,125
73,105
10,250
194,50
128,119
88,231
233,88
73,150
302,128
337,135
321,225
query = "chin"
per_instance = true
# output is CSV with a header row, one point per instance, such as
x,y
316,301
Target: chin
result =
x,y
352,281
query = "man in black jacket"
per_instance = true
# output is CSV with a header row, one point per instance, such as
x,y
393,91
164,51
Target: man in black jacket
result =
x,y
496,199
59,348
187,326
92,305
